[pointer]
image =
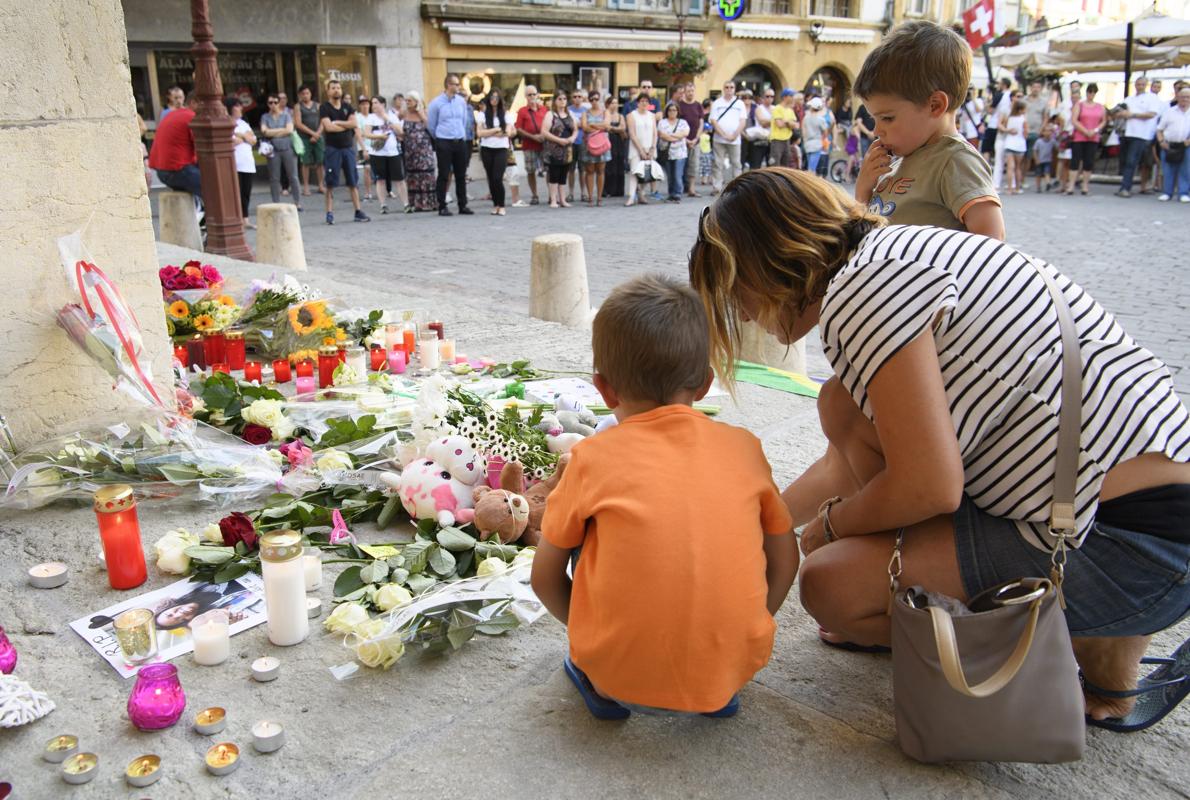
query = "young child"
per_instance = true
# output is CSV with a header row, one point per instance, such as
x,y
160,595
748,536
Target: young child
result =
x,y
1043,157
687,549
1015,130
919,171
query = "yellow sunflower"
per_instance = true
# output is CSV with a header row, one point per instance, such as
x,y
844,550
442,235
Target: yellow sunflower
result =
x,y
179,310
340,335
308,317
298,356
204,322
226,300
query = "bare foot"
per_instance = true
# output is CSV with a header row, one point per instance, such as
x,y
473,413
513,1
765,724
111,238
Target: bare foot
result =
x,y
1110,663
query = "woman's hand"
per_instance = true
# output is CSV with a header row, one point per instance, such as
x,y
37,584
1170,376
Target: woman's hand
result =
x,y
813,536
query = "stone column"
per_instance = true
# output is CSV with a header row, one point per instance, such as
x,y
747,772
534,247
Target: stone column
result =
x,y
72,160
279,236
558,289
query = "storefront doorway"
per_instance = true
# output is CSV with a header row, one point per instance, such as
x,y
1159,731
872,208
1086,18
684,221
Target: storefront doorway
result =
x,y
550,77
830,83
757,78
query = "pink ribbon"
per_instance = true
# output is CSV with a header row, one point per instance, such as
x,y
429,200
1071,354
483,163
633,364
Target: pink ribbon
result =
x,y
339,532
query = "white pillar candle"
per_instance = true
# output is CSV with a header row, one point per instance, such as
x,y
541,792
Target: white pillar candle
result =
x,y
392,336
312,568
427,350
284,587
212,638
357,359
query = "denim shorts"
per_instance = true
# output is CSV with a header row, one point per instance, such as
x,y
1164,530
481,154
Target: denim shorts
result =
x,y
340,158
1118,583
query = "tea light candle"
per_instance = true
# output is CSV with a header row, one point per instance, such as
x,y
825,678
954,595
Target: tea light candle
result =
x,y
210,721
252,371
212,640
80,768
313,607
49,575
446,350
281,372
461,359
223,758
268,736
427,351
143,771
312,568
396,361
305,368
266,668
220,366
60,748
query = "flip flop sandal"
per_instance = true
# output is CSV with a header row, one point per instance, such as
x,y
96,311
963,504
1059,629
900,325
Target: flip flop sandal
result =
x,y
852,647
730,710
1158,693
600,707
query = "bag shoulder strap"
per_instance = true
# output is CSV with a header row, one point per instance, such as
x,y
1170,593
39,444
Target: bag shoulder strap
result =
x,y
730,105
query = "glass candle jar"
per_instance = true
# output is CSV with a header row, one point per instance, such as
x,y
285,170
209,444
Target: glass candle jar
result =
x,y
119,529
136,633
379,359
220,366
251,371
196,352
342,353
214,347
357,360
437,327
306,387
312,568
234,349
284,587
212,639
157,700
328,359
446,350
305,368
409,341
281,371
181,355
392,335
8,654
396,360
428,353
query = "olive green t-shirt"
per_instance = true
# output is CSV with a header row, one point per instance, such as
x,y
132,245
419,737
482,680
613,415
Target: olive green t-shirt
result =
x,y
934,185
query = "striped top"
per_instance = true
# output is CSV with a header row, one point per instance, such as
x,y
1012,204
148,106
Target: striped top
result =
x,y
999,347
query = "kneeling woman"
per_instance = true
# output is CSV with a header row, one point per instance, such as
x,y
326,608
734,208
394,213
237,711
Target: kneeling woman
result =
x,y
942,419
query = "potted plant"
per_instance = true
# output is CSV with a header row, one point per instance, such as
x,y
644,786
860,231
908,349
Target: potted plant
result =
x,y
683,63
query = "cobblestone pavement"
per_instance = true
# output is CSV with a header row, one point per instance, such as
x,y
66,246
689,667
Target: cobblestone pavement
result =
x,y
1131,254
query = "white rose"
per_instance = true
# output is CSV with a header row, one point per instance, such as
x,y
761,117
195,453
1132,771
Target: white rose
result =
x,y
270,414
524,558
392,595
171,551
212,534
377,652
346,617
493,565
332,459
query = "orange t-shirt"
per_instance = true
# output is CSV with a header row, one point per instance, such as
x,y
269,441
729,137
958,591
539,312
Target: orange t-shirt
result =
x,y
668,605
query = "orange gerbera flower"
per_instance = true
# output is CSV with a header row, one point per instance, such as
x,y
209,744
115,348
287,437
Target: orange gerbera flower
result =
x,y
204,322
193,272
226,300
179,310
306,318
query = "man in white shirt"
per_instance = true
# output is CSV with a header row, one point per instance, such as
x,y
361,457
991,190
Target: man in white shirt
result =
x,y
1141,111
1162,107
1173,129
727,120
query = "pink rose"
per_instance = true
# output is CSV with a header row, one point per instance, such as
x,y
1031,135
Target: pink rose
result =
x,y
297,453
210,274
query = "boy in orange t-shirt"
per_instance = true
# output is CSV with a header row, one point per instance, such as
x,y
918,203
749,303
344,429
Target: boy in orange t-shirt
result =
x,y
687,548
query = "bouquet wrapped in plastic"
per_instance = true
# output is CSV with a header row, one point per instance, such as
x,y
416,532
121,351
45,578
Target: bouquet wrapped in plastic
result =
x,y
158,453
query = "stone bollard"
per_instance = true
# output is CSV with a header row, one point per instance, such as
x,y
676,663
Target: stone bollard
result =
x,y
761,347
558,280
279,236
179,220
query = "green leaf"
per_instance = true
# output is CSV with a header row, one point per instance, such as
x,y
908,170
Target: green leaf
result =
x,y
488,549
389,512
416,554
455,540
348,581
230,572
400,575
465,562
442,561
376,572
210,555
460,630
420,583
426,526
177,473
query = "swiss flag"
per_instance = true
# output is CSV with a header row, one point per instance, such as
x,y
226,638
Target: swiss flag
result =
x,y
979,23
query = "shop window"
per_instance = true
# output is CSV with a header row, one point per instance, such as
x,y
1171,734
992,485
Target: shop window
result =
x,y
248,74
350,66
830,8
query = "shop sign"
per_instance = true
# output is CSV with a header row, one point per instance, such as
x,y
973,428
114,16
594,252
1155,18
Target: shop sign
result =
x,y
730,9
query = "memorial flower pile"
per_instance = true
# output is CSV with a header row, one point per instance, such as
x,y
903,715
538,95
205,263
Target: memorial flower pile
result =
x,y
191,275
213,314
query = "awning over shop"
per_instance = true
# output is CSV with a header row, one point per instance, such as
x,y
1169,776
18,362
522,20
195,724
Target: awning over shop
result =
x,y
508,34
762,30
834,35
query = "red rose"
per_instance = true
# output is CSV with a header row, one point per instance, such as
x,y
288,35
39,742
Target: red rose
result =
x,y
236,528
211,275
257,434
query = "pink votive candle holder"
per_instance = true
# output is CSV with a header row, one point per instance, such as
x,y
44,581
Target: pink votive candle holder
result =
x,y
396,360
157,700
306,385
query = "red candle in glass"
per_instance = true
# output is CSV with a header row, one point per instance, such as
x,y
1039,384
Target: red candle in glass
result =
x,y
196,351
436,327
379,359
234,349
157,700
305,368
8,654
281,372
181,355
119,529
328,359
215,347
409,339
252,371
221,367
342,354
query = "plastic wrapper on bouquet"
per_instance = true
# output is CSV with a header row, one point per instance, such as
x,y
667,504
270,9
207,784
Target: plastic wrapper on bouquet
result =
x,y
159,453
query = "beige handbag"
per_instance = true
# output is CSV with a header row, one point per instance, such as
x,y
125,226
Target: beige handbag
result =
x,y
1000,684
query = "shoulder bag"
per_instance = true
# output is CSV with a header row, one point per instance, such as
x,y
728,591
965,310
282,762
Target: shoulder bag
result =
x,y
999,683
598,143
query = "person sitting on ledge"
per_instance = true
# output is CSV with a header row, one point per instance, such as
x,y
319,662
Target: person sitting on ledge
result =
x,y
942,419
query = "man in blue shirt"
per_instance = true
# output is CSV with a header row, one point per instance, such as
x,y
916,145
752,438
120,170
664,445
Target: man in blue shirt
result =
x,y
452,128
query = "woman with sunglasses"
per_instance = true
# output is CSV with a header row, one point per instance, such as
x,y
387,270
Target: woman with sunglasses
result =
x,y
276,126
597,149
560,129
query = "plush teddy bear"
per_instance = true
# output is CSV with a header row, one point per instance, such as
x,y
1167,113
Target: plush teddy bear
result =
x,y
440,485
496,510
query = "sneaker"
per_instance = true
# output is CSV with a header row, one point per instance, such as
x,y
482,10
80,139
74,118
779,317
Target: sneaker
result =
x,y
1184,198
330,218
445,212
657,196
1163,198
360,216
534,201
520,204
465,211
1123,193
384,208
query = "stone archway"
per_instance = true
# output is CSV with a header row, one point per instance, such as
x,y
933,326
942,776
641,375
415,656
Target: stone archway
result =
x,y
757,76
830,80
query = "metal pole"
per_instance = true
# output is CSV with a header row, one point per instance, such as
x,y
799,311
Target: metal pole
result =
x,y
987,59
212,129
1128,61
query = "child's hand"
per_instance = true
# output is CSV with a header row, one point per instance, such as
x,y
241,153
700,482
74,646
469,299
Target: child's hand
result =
x,y
877,162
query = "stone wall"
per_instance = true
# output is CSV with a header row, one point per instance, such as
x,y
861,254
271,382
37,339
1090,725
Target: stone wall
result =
x,y
72,158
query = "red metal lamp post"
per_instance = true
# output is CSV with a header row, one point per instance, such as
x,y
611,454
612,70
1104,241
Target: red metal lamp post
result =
x,y
212,129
